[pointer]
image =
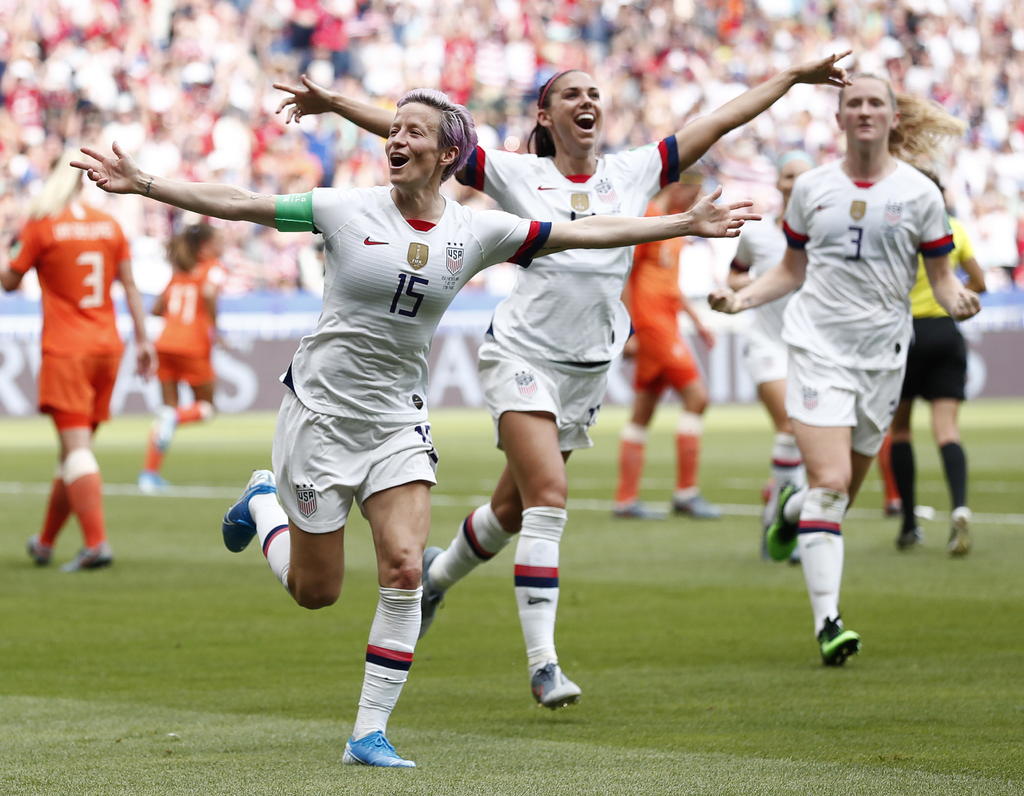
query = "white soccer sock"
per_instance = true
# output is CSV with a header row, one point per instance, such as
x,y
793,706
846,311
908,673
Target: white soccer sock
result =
x,y
479,539
389,654
273,533
820,542
793,510
536,581
787,463
163,427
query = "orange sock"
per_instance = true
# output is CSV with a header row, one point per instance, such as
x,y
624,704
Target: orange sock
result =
x,y
892,494
85,495
687,456
154,456
631,465
189,414
57,511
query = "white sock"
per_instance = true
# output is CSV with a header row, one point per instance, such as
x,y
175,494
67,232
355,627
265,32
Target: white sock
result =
x,y
388,657
536,581
272,530
793,509
479,539
787,463
163,427
820,542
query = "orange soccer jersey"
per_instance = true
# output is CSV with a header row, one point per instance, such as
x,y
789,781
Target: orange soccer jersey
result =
x,y
663,358
186,342
76,254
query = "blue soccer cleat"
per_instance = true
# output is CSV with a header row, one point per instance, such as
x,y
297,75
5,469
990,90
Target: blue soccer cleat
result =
x,y
151,483
552,689
635,510
696,507
238,526
374,750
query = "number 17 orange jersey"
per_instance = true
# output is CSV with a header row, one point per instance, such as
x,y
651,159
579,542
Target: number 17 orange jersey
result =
x,y
77,254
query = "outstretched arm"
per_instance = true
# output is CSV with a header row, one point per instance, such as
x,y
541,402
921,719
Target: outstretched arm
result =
x,y
310,99
953,297
698,136
775,283
705,219
120,174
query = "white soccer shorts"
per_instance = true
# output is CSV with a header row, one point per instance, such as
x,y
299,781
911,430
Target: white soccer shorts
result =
x,y
322,463
765,359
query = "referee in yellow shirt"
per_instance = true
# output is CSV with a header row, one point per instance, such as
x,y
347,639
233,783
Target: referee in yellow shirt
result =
x,y
936,371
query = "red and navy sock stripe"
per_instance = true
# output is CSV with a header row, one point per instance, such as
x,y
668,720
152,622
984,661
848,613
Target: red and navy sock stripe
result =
x,y
536,577
272,536
390,659
819,526
669,151
472,174
535,240
469,533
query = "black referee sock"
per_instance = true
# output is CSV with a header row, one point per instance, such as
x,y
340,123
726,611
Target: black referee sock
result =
x,y
955,463
902,456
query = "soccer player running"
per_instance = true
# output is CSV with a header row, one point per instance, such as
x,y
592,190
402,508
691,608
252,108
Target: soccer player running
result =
x,y
184,348
353,423
78,251
764,354
854,229
544,361
937,372
663,359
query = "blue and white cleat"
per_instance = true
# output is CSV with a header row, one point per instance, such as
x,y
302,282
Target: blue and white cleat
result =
x,y
552,689
238,526
374,750
151,483
432,596
696,507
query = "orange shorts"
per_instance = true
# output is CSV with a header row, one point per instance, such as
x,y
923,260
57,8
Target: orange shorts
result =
x,y
190,369
663,359
76,390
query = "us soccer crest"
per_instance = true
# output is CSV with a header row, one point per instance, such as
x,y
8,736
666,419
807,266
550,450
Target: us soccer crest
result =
x,y
417,255
453,259
810,398
580,202
857,209
305,496
893,212
606,192
526,383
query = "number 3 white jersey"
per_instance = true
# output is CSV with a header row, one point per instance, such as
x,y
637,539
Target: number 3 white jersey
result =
x,y
388,281
565,309
761,247
862,242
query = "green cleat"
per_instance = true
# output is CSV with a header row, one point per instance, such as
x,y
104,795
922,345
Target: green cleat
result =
x,y
780,538
837,643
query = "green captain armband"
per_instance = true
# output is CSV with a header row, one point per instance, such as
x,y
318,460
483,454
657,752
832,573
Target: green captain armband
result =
x,y
293,212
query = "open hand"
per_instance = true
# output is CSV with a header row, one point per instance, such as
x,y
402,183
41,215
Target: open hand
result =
x,y
824,71
118,174
306,100
709,220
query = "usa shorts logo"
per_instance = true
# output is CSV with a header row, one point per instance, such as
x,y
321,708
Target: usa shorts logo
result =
x,y
305,496
526,383
453,259
810,398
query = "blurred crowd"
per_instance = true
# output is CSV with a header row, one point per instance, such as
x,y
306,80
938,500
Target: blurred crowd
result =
x,y
185,85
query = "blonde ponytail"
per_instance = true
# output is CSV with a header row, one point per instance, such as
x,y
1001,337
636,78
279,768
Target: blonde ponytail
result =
x,y
924,131
59,189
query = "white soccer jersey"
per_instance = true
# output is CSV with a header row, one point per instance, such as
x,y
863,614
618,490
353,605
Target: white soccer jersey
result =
x,y
388,281
762,246
565,309
862,242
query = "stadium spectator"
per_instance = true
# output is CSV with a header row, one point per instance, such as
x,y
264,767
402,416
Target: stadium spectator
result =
x,y
764,353
937,372
663,359
854,228
77,252
353,425
184,348
545,357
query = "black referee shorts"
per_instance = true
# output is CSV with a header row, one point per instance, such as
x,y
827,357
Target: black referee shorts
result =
x,y
936,362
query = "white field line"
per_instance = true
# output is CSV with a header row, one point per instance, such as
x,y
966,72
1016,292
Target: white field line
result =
x,y
447,499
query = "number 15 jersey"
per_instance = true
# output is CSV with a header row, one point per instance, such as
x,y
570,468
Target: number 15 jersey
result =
x,y
387,283
862,242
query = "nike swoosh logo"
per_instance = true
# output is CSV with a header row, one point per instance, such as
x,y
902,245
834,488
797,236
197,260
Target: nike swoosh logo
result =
x,y
535,600
368,242
545,188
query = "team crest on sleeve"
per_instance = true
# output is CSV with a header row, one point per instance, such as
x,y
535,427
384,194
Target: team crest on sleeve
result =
x,y
580,202
417,255
526,383
810,398
454,256
893,212
305,496
857,209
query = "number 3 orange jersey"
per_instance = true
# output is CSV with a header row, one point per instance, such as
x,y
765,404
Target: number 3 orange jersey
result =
x,y
76,254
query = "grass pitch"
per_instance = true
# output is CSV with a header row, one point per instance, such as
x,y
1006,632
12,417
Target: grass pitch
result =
x,y
185,669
